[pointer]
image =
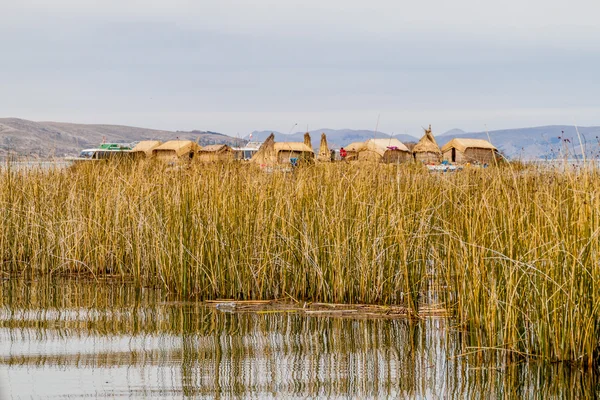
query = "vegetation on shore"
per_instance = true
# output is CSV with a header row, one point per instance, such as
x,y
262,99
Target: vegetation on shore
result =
x,y
514,255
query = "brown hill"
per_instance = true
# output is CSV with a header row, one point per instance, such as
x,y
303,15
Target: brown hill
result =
x,y
58,139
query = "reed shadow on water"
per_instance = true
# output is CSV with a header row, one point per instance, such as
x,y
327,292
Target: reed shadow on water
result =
x,y
80,338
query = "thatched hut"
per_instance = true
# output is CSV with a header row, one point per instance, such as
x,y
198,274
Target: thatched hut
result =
x,y
286,151
215,153
324,153
384,150
144,148
271,153
427,150
176,150
462,151
353,149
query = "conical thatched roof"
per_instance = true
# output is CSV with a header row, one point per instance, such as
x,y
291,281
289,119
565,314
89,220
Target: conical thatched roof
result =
x,y
266,152
307,141
324,154
427,144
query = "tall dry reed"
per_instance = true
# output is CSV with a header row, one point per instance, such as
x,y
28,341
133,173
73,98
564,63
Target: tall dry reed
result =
x,y
514,254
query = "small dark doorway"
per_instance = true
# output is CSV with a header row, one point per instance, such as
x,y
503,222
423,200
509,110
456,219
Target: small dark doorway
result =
x,y
453,154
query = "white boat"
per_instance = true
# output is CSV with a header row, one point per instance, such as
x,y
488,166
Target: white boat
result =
x,y
246,152
106,151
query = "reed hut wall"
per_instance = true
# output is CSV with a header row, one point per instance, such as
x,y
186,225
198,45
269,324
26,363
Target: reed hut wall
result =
x,y
287,150
395,157
470,155
176,150
388,157
428,157
483,156
166,155
215,153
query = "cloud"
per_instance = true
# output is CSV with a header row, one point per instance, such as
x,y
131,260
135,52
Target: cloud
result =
x,y
353,18
328,63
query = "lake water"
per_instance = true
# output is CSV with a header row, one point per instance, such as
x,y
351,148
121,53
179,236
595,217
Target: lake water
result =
x,y
70,339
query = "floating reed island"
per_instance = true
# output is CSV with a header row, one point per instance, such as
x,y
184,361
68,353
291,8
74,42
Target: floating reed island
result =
x,y
513,256
286,154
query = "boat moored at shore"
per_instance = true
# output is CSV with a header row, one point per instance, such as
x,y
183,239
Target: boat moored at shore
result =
x,y
106,151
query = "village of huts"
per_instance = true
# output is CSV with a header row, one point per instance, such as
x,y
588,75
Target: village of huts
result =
x,y
458,151
384,150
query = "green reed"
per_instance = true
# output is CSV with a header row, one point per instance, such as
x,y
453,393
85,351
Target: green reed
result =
x,y
514,254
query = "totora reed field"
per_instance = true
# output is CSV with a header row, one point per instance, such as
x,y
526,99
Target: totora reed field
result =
x,y
510,255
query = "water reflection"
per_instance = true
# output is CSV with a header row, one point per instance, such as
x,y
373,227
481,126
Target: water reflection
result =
x,y
78,339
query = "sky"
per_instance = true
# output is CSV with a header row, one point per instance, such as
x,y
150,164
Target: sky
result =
x,y
237,66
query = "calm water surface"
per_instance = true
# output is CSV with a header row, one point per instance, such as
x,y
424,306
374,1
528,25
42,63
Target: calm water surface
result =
x,y
69,339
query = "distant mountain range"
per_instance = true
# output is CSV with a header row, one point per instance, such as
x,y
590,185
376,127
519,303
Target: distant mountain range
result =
x,y
59,139
453,132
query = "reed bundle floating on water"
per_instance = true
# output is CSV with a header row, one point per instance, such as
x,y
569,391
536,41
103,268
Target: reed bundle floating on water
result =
x,y
515,256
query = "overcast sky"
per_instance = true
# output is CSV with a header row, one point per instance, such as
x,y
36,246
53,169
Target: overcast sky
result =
x,y
237,66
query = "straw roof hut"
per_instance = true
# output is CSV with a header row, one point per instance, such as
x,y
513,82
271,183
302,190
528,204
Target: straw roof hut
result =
x,y
427,150
353,149
271,153
176,150
287,150
215,153
144,148
324,153
384,150
461,151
